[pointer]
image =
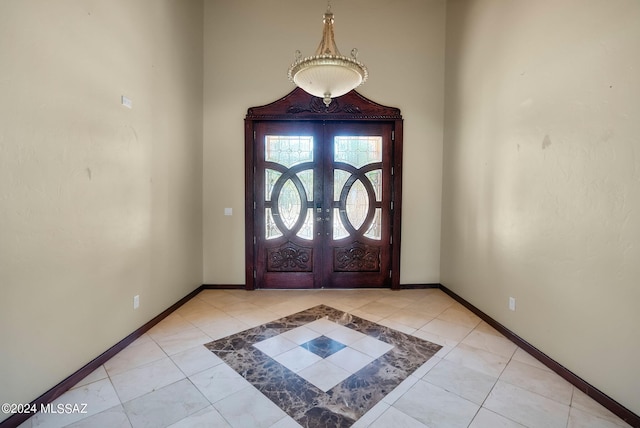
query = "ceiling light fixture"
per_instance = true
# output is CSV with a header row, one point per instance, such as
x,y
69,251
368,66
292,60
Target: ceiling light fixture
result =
x,y
328,74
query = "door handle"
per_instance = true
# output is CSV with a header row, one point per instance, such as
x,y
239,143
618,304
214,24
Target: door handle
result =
x,y
319,213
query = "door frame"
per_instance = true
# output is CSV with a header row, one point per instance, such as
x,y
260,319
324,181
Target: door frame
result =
x,y
300,106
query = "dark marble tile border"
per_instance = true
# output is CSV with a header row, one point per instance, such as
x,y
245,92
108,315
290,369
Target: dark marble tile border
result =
x,y
345,403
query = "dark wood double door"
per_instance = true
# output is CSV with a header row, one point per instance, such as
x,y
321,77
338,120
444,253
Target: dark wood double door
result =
x,y
323,203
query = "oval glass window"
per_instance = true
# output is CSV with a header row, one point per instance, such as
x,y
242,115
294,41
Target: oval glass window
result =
x,y
357,204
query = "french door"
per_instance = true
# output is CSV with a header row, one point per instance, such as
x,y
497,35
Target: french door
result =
x,y
323,193
323,204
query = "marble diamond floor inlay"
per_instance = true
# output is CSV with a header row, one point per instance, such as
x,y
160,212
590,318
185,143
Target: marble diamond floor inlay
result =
x,y
322,366
323,346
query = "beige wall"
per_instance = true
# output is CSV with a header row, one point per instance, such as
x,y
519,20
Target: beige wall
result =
x,y
542,177
250,44
98,202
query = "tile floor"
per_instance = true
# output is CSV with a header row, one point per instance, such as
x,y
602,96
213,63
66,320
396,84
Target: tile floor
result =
x,y
471,375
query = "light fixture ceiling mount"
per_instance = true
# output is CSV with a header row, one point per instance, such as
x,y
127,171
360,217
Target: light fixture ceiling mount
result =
x,y
328,74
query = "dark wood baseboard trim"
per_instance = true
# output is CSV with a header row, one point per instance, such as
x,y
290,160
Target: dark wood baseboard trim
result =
x,y
55,392
223,287
243,287
418,286
616,408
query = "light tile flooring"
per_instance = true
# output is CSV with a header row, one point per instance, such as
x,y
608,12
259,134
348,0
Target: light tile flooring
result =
x,y
477,379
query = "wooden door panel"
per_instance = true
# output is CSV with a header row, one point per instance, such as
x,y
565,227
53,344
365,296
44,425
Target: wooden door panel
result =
x,y
358,189
286,188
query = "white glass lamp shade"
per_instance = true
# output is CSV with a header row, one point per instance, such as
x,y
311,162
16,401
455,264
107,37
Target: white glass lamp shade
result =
x,y
328,74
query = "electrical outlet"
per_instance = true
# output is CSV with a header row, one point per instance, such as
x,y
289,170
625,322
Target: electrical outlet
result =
x,y
512,303
136,301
